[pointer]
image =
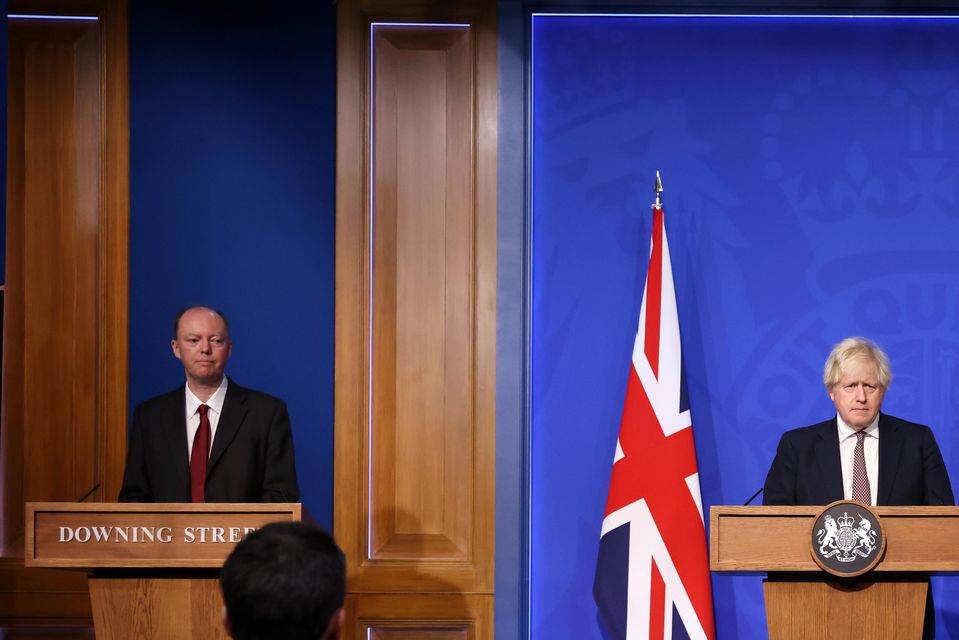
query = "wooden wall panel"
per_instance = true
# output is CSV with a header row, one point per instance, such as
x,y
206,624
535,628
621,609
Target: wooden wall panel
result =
x,y
63,429
56,280
35,597
445,631
415,316
421,275
410,617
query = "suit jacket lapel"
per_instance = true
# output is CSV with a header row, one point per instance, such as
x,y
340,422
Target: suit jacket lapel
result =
x,y
829,462
177,443
890,446
231,418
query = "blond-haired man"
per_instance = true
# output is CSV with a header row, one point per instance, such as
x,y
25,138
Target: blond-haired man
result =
x,y
860,454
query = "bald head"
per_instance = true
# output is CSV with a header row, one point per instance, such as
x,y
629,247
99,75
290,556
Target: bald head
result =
x,y
182,312
201,342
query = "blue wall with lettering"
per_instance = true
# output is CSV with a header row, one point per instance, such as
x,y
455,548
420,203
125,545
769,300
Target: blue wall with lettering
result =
x,y
232,119
810,168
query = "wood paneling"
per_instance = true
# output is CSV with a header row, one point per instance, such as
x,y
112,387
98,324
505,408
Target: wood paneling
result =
x,y
409,617
46,633
113,295
63,427
143,606
54,82
421,277
138,535
778,538
445,631
415,315
818,609
42,597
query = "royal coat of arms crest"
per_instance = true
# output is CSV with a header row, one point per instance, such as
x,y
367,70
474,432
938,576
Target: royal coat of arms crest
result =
x,y
840,539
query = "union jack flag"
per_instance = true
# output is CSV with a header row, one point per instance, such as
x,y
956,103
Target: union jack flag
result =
x,y
652,574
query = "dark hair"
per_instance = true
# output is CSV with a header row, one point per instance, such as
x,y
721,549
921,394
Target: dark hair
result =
x,y
179,314
286,580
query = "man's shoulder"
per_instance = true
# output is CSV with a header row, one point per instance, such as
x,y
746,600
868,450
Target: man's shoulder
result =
x,y
811,432
239,393
159,411
886,420
162,401
901,428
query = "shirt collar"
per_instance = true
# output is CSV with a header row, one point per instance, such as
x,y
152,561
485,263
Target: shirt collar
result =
x,y
215,402
845,431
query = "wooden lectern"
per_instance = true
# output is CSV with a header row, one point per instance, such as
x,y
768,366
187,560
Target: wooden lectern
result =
x,y
154,568
803,601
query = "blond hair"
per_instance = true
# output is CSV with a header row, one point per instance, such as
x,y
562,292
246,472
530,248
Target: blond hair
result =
x,y
856,348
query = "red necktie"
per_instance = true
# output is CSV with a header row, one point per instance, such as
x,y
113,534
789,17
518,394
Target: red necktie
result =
x,y
200,452
860,482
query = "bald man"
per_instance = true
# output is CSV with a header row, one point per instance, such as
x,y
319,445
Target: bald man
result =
x,y
210,440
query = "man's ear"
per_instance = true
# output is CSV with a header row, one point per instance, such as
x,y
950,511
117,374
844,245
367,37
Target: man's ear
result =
x,y
226,622
335,628
176,349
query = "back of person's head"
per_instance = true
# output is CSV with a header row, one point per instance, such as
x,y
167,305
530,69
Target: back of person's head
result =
x,y
286,580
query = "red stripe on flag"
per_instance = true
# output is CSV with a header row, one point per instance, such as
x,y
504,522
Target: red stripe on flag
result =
x,y
651,463
655,467
657,603
654,293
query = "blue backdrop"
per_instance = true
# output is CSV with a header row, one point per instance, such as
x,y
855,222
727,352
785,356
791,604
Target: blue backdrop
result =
x,y
810,171
232,145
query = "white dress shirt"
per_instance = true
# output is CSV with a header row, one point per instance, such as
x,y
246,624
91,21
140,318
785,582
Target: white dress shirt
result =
x,y
213,414
847,448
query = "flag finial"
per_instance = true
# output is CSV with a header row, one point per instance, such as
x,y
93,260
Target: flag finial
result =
x,y
658,188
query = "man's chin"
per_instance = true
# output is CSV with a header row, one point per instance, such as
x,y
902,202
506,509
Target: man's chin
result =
x,y
861,423
207,380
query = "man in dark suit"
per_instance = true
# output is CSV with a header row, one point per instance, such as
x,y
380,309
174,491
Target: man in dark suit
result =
x,y
901,461
210,440
861,454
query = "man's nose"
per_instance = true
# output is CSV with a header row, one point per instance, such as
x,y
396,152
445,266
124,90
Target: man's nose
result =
x,y
205,346
860,393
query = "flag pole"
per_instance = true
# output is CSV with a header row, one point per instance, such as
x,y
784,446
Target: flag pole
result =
x,y
652,569
658,188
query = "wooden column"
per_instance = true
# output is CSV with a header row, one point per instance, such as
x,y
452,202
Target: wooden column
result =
x,y
416,317
63,429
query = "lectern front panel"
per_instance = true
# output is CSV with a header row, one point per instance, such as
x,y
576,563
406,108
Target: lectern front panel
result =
x,y
137,535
